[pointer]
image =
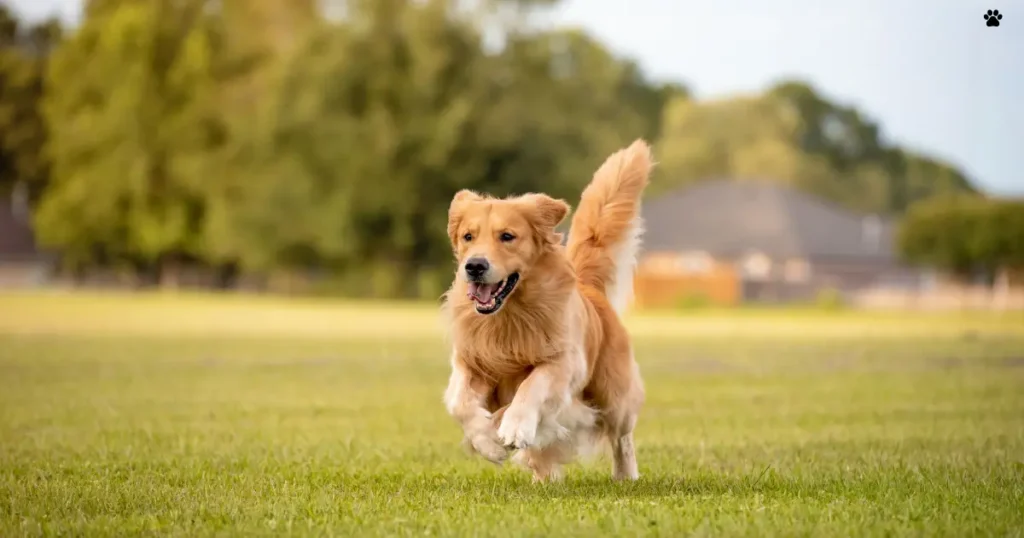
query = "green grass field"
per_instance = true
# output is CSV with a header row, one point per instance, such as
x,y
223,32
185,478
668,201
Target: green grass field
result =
x,y
202,416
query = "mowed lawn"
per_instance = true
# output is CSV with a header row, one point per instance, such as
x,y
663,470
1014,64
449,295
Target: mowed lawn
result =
x,y
200,416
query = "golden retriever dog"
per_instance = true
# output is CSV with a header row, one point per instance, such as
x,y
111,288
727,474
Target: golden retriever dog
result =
x,y
541,364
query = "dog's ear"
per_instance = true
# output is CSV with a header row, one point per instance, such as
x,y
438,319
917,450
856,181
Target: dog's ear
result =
x,y
459,201
465,195
547,211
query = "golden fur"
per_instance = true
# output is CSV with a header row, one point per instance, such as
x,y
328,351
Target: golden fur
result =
x,y
551,371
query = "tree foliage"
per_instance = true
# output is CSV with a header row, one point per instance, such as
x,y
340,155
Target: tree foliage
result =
x,y
23,53
129,92
793,135
379,120
965,234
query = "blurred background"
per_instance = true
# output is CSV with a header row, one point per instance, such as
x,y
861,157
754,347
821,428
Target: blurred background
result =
x,y
311,147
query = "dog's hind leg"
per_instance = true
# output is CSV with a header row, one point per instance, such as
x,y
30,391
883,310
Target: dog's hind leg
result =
x,y
624,454
620,421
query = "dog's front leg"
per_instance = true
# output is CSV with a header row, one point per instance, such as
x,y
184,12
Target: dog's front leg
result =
x,y
546,392
466,399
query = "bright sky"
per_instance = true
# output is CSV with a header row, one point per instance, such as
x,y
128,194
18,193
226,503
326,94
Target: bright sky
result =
x,y
936,78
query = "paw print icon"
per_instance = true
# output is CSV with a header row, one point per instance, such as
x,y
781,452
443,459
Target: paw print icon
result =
x,y
992,17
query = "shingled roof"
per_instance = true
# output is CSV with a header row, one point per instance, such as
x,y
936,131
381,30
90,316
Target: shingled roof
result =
x,y
730,218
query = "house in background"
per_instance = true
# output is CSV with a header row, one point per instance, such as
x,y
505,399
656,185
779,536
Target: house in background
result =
x,y
22,263
729,242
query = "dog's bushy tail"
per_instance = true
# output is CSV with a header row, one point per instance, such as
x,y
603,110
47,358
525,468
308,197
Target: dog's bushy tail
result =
x,y
606,229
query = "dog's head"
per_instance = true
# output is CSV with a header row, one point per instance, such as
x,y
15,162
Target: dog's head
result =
x,y
496,242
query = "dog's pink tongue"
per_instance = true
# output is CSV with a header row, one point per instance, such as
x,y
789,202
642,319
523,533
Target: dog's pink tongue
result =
x,y
481,292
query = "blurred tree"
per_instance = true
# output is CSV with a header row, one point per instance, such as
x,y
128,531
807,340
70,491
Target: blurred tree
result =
x,y
263,137
965,235
367,115
24,51
938,233
745,137
924,176
380,118
130,92
254,41
559,102
793,135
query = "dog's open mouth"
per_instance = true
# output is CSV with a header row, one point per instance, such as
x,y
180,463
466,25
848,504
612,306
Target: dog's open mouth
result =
x,y
490,297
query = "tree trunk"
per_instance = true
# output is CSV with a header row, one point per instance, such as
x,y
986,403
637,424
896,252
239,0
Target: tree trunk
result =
x,y
226,276
170,273
1001,288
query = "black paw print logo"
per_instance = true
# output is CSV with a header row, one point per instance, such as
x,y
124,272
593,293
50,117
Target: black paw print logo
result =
x,y
992,17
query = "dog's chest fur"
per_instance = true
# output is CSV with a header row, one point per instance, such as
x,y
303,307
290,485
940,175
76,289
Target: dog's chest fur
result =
x,y
510,341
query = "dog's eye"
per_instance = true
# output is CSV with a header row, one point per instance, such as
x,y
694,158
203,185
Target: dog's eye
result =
x,y
467,237
506,237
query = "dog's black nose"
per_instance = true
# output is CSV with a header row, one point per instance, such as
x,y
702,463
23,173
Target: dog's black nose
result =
x,y
476,267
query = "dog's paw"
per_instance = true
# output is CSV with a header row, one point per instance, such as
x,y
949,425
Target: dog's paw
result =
x,y
483,439
518,429
489,447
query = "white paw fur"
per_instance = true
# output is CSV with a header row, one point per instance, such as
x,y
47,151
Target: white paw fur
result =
x,y
518,428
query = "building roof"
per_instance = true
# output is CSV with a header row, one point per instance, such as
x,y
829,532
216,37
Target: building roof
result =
x,y
730,218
